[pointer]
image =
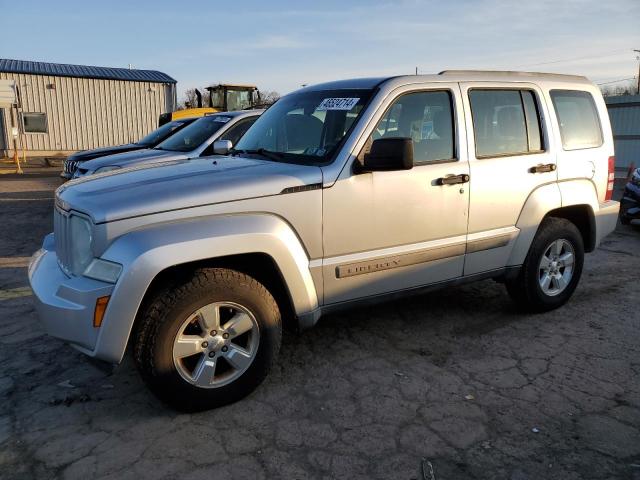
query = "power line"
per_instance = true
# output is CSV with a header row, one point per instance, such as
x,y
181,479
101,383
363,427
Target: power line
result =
x,y
574,59
617,81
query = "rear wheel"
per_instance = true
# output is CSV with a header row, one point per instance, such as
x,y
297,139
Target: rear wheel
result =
x,y
552,269
209,341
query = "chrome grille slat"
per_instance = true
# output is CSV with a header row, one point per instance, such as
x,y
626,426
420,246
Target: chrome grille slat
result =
x,y
60,229
70,166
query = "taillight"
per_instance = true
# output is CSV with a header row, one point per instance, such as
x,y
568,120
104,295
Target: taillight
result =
x,y
610,178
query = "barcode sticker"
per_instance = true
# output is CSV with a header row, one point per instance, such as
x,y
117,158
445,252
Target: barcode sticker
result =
x,y
337,104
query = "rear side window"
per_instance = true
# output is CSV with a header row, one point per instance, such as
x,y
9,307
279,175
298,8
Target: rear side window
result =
x,y
578,119
505,122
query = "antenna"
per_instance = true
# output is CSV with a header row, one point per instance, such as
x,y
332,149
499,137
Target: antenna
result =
x,y
638,58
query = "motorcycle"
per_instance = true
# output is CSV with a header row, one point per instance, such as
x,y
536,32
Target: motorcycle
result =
x,y
630,203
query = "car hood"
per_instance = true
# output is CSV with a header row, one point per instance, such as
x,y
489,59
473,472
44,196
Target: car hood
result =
x,y
131,158
101,152
173,185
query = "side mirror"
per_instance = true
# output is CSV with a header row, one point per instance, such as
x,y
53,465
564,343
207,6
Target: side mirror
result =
x,y
388,154
222,147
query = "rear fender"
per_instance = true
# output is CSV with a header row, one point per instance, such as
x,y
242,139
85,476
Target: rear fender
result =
x,y
541,201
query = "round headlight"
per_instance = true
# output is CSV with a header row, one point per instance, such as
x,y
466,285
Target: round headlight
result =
x,y
81,238
108,168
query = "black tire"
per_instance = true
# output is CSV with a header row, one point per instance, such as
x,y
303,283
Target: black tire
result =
x,y
624,220
163,316
525,289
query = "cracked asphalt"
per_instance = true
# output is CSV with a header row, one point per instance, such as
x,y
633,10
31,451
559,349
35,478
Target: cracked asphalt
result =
x,y
455,382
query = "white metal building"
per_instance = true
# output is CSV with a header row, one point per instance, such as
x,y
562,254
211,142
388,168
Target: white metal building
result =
x,y
65,108
624,112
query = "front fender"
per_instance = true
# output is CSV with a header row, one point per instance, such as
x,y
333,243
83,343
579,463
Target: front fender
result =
x,y
145,253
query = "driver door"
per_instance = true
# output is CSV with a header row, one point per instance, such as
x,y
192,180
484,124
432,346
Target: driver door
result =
x,y
388,231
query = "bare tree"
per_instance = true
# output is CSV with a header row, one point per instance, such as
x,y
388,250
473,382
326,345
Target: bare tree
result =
x,y
269,97
628,88
190,99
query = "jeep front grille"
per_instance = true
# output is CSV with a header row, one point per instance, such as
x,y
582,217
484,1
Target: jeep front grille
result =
x,y
61,234
70,166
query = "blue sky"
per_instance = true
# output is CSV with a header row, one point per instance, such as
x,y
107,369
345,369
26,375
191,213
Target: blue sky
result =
x,y
281,44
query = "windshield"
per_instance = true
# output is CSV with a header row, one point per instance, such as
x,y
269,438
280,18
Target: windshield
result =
x,y
195,134
238,99
305,127
162,133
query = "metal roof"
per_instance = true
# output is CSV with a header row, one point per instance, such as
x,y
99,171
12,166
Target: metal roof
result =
x,y
83,71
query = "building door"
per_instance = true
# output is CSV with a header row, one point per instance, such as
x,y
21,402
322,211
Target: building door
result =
x,y
3,131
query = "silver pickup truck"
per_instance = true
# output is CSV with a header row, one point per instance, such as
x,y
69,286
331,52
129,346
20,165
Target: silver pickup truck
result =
x,y
346,192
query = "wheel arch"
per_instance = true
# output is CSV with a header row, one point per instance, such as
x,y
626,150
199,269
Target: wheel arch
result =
x,y
574,200
583,218
257,244
258,265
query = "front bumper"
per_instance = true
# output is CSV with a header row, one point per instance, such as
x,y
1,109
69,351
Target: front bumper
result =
x,y
65,304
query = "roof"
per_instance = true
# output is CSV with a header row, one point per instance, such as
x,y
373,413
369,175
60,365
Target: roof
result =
x,y
511,75
83,71
623,100
450,76
235,113
231,85
354,83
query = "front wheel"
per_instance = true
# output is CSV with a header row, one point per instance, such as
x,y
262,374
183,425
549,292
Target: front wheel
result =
x,y
209,341
552,269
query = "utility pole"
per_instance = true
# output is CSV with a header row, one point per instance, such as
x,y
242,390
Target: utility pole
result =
x,y
638,58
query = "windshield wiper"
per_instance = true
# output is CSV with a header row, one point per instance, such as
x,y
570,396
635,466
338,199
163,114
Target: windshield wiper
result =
x,y
275,156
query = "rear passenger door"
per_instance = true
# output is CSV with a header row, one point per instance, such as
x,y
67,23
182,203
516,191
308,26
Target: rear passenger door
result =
x,y
510,155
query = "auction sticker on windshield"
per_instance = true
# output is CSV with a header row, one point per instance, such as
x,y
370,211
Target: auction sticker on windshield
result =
x,y
222,119
337,104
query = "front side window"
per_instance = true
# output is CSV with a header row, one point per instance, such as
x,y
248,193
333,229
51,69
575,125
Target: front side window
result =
x,y
424,117
194,134
34,122
505,122
578,119
305,127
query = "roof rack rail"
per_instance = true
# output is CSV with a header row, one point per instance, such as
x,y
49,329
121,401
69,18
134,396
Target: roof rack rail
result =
x,y
510,73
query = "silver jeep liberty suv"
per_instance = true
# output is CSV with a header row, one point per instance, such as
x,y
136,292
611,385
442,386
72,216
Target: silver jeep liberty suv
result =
x,y
344,192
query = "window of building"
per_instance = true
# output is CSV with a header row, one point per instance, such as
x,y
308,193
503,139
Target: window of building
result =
x,y
34,122
424,117
505,122
578,119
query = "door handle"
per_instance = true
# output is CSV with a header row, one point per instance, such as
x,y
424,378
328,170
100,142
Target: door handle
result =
x,y
452,179
549,167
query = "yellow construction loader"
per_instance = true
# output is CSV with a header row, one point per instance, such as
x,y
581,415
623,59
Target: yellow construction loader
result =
x,y
222,98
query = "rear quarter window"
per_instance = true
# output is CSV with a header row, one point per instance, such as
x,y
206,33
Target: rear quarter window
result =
x,y
578,119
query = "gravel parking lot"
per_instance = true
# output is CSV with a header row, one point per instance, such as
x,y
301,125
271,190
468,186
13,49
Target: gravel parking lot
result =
x,y
451,385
